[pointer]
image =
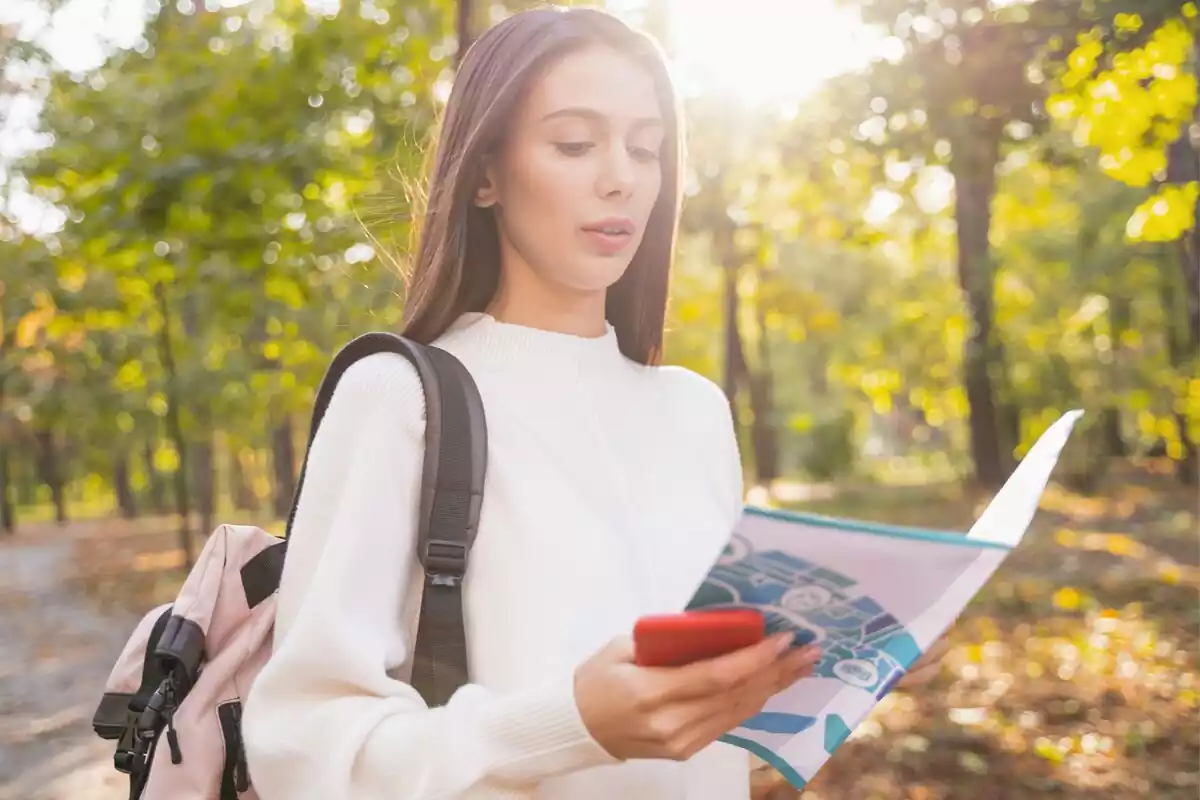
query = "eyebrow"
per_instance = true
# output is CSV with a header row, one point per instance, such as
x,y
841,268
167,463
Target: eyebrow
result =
x,y
595,116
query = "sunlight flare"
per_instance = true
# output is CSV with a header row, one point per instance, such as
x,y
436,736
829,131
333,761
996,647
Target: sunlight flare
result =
x,y
768,51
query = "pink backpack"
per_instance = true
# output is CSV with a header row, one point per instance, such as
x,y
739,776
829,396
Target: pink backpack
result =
x,y
184,672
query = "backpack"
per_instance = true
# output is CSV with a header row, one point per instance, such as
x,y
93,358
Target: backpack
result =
x,y
185,670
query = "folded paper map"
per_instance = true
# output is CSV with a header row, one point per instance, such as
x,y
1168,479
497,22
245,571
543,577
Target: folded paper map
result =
x,y
873,596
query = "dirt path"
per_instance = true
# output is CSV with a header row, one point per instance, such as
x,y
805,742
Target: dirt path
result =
x,y
55,653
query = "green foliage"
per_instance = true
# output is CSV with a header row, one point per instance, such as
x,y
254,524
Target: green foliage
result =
x,y
237,184
829,450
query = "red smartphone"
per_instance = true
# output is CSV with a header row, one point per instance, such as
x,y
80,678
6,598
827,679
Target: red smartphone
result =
x,y
672,640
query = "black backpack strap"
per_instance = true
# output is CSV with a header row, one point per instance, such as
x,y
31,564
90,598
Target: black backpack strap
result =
x,y
455,464
451,495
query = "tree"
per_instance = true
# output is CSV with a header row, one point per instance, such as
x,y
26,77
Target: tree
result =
x,y
215,181
959,94
1129,90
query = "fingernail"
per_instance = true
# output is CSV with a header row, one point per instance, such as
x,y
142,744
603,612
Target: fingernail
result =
x,y
784,641
809,653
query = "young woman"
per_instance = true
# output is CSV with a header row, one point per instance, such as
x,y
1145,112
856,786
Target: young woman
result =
x,y
612,485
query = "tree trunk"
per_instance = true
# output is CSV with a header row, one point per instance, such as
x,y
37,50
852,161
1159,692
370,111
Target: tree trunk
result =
x,y
202,481
154,481
735,368
762,402
204,484
735,354
50,465
27,479
175,426
283,458
973,165
1183,165
8,516
240,489
1114,439
1009,415
125,499
464,25
1178,354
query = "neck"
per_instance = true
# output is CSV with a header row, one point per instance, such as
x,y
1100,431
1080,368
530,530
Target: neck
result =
x,y
521,299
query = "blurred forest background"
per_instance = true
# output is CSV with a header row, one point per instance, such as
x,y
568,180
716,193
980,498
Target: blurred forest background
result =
x,y
900,279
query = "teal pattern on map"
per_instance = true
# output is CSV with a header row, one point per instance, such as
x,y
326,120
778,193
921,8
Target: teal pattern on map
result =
x,y
836,731
862,644
773,722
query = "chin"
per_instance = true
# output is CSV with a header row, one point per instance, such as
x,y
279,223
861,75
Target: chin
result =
x,y
594,274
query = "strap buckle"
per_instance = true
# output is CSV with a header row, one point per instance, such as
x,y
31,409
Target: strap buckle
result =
x,y
130,756
445,562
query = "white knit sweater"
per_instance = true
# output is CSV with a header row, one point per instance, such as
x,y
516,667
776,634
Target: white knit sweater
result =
x,y
611,488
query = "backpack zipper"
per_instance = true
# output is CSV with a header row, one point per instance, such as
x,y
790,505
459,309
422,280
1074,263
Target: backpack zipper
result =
x,y
235,777
169,709
241,772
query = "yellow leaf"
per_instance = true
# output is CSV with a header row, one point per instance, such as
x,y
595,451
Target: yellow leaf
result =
x,y
1166,216
1121,545
1066,537
1067,598
1170,573
1128,22
129,377
157,403
28,327
166,459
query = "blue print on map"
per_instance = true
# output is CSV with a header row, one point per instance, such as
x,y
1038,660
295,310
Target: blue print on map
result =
x,y
774,722
863,645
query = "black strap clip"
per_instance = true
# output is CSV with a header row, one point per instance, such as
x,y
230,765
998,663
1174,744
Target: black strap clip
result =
x,y
131,751
445,562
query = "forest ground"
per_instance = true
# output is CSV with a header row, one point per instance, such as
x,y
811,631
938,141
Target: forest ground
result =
x,y
1074,675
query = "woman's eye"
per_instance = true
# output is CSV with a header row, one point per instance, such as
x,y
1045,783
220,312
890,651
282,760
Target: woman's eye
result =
x,y
644,153
573,148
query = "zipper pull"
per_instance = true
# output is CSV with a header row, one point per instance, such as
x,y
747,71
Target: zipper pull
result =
x,y
173,740
169,714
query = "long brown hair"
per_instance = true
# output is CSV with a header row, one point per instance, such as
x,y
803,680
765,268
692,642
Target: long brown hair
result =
x,y
457,266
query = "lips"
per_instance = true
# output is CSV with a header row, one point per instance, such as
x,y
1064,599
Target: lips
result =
x,y
609,237
613,226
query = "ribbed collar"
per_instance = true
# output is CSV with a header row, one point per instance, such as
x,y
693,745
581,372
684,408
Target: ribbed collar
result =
x,y
508,343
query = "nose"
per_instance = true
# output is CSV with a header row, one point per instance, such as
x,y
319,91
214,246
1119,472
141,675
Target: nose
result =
x,y
616,178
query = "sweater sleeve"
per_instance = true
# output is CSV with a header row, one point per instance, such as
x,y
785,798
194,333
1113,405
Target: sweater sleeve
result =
x,y
728,459
325,719
706,412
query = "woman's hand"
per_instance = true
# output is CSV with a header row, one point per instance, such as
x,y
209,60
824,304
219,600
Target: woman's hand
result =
x,y
673,712
928,666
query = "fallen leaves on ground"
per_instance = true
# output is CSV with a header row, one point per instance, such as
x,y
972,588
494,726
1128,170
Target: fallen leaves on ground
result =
x,y
1075,674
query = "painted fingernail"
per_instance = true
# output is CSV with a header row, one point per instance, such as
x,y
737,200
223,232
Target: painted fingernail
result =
x,y
784,641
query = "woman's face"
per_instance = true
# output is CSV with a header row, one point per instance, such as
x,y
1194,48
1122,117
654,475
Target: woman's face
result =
x,y
578,176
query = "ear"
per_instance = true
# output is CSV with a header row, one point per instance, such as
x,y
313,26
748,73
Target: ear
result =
x,y
487,195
